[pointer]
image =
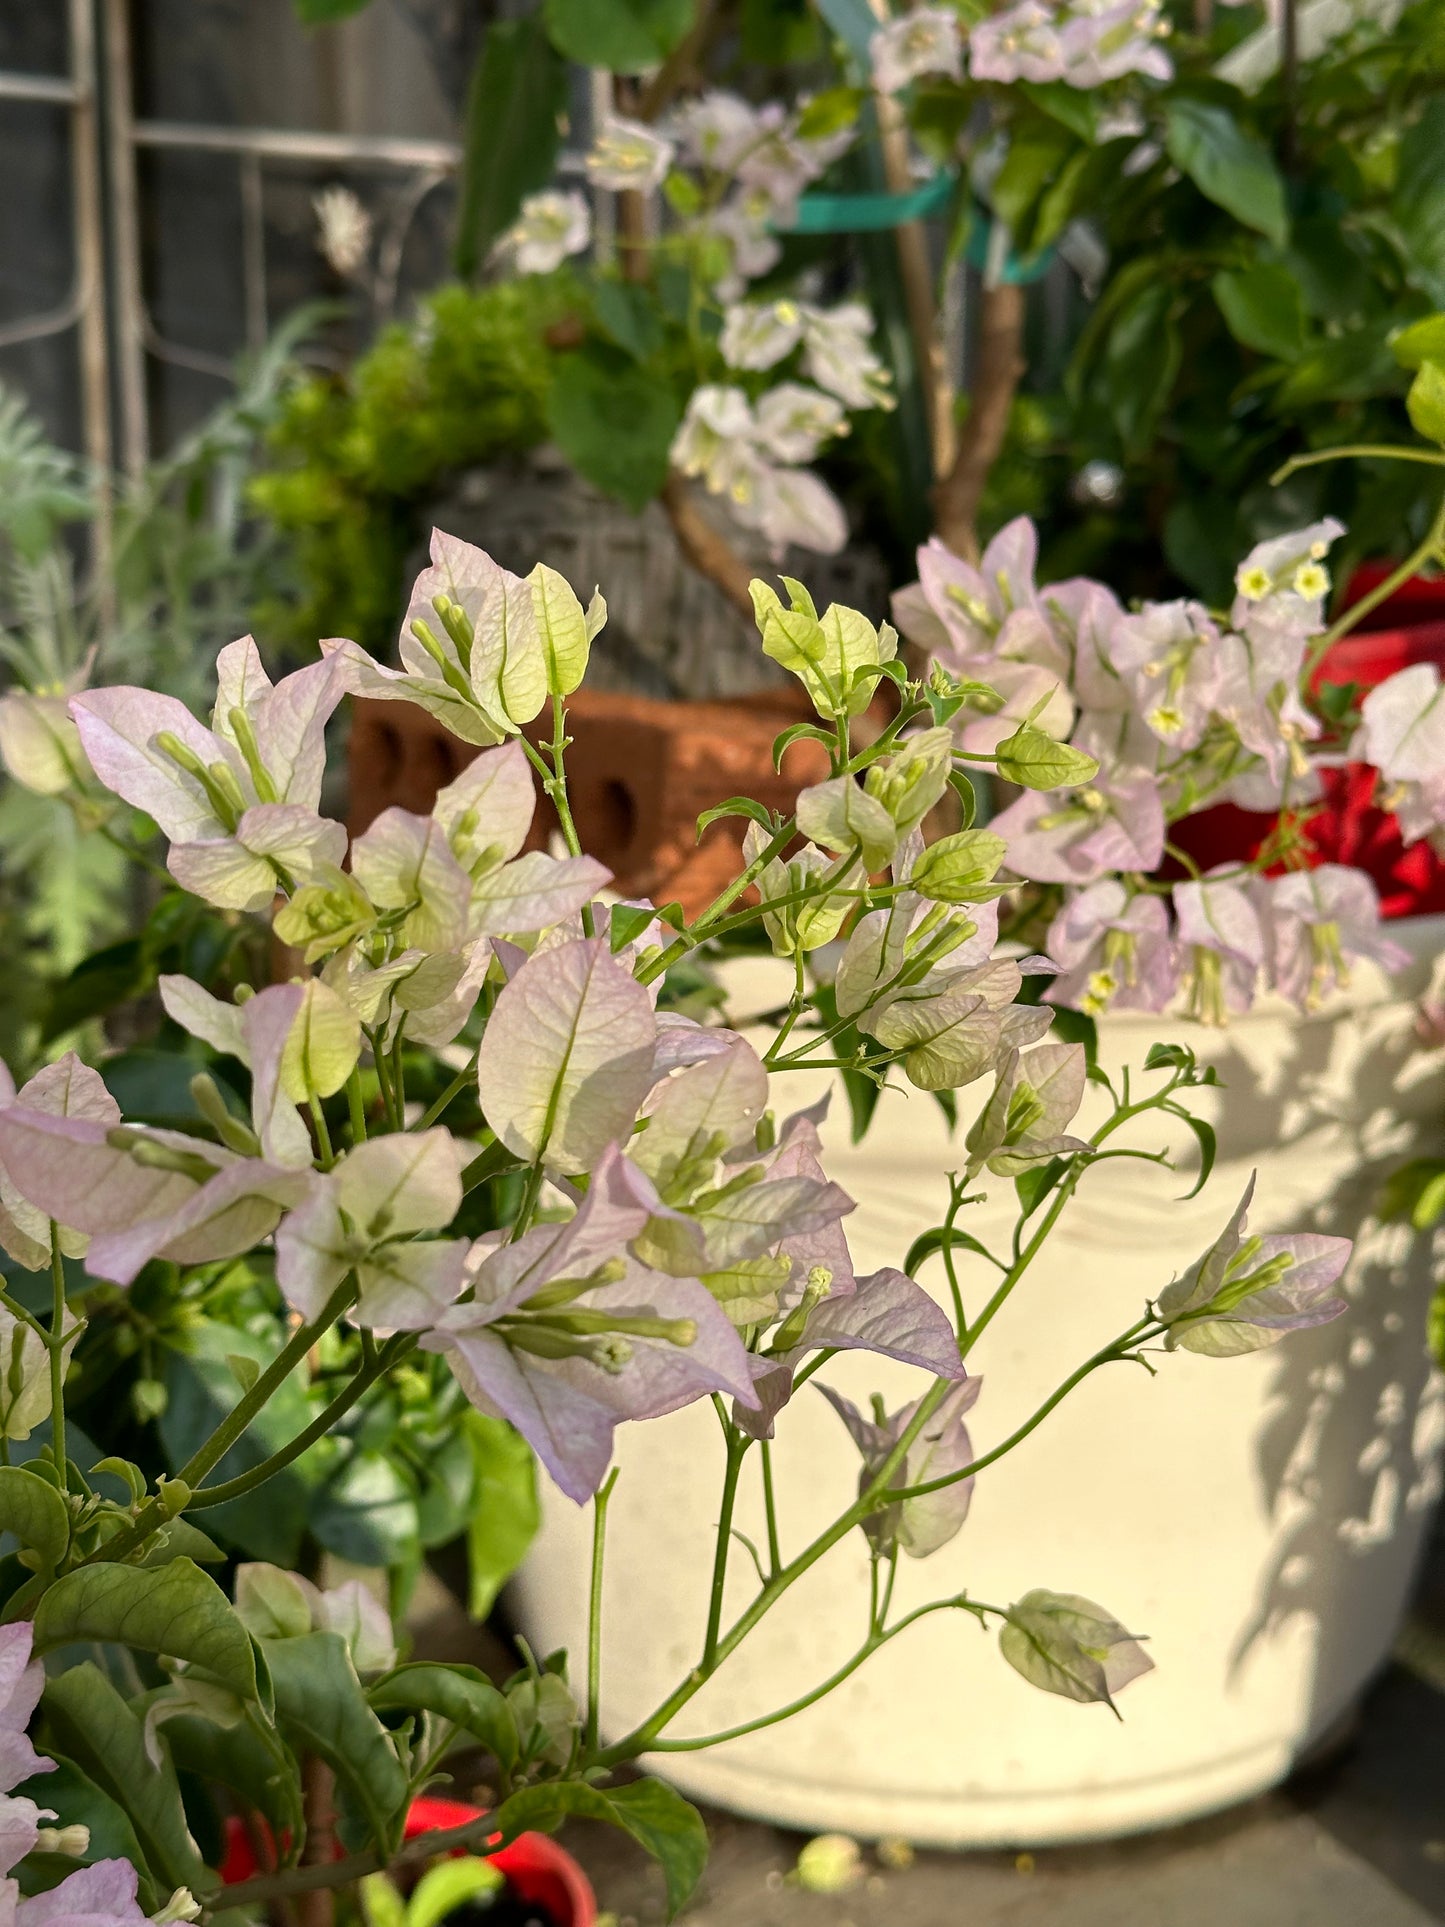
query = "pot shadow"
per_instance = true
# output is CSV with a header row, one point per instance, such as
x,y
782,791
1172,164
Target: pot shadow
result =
x,y
1352,1495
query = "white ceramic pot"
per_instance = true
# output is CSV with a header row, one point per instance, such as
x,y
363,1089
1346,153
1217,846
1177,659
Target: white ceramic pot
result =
x,y
1258,1518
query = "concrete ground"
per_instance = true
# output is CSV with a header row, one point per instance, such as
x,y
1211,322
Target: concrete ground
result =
x,y
1356,1842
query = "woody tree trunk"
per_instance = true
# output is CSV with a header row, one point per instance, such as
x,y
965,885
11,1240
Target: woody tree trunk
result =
x,y
999,368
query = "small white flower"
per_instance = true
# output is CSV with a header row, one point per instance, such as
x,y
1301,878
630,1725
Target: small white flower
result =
x,y
628,155
925,42
794,421
343,229
838,357
757,334
551,227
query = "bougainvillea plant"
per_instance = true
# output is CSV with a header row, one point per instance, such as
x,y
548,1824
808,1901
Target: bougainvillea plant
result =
x,y
668,1237
1184,708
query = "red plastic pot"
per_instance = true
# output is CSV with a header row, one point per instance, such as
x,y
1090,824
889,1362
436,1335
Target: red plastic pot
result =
x,y
535,1866
1347,827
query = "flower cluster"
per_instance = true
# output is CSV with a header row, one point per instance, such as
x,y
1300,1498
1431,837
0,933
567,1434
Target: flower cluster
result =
x,y
755,454
1086,43
1181,708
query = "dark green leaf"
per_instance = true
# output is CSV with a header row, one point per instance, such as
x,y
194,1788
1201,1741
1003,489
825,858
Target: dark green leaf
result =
x,y
779,33
366,1512
105,1738
1038,152
1208,1147
1073,107
1345,367
1262,308
1415,1192
1035,1184
627,315
518,93
32,1509
457,1693
95,987
659,1820
201,1389
176,1609
1141,363
1419,199
614,422
942,1238
505,1515
78,1802
1169,1057
322,1709
154,1086
1227,165
238,1758
623,35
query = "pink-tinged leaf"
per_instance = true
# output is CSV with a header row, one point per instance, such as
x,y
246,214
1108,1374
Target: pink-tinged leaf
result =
x,y
266,1023
488,810
700,1113
534,892
291,730
567,1058
118,728
68,1169
570,1433
403,862
423,686
101,1895
228,1215
200,1014
889,1314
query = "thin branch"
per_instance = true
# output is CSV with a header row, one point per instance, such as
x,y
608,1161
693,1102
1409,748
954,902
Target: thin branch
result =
x,y
999,369
708,551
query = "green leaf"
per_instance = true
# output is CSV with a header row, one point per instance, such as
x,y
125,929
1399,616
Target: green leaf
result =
x,y
1415,1192
614,422
797,733
78,1802
659,1820
855,24
1418,204
177,1610
627,315
1422,341
1073,107
1035,1184
735,806
1169,1057
518,93
1038,152
1141,364
237,1757
460,1694
34,1511
943,1238
1344,367
623,35
505,1513
321,1708
105,1738
201,1389
1227,165
106,978
366,1512
1037,762
1426,402
1262,309
1208,1149
627,922
181,1540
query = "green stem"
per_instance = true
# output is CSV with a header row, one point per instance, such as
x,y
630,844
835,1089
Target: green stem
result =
x,y
1354,451
233,1426
834,1680
775,1558
737,1446
641,1738
323,1134
356,1107
1119,1348
458,1084
17,1310
594,1609
55,1344
395,1349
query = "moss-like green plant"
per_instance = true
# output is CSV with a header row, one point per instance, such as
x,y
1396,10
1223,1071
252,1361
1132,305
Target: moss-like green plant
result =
x,y
357,457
